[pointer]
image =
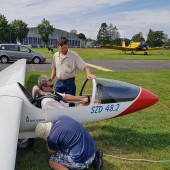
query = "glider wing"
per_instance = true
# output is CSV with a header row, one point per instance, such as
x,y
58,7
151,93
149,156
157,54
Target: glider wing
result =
x,y
9,129
14,73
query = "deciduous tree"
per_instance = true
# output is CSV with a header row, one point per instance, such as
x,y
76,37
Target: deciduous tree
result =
x,y
113,33
81,36
167,43
45,29
18,30
156,38
108,35
4,29
103,35
138,37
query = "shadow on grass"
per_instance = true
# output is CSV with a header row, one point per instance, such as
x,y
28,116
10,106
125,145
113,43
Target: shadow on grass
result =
x,y
33,159
130,140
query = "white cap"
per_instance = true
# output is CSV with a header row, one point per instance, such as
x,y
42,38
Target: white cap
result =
x,y
42,130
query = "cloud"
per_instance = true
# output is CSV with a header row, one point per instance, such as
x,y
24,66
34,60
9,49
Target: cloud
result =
x,y
132,22
88,15
53,7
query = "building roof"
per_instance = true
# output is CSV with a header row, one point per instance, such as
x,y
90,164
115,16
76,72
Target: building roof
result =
x,y
33,32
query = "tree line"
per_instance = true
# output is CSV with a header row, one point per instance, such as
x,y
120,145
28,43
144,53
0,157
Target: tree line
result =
x,y
17,30
10,32
109,35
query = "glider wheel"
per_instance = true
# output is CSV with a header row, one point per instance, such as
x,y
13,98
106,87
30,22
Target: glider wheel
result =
x,y
24,144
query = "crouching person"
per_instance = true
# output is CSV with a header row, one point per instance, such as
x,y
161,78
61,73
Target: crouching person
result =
x,y
69,144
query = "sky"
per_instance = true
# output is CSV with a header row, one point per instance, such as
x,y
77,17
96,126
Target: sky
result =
x,y
86,16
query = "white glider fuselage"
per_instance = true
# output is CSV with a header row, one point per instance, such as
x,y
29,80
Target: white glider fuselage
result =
x,y
31,115
117,99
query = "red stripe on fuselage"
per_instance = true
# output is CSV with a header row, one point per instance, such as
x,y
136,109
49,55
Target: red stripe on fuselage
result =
x,y
144,100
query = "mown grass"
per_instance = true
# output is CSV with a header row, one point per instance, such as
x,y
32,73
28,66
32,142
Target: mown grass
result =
x,y
110,54
145,134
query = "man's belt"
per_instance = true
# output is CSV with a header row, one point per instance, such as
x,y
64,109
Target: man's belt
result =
x,y
70,80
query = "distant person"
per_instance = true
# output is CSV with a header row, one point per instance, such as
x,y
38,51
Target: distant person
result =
x,y
64,65
52,50
49,49
69,144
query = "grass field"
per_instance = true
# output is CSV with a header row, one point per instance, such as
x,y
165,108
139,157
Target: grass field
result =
x,y
110,54
141,135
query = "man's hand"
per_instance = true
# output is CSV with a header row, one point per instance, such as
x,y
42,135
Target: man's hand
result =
x,y
91,76
85,100
88,73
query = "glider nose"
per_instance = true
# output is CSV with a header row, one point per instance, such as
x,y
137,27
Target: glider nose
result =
x,y
147,98
144,100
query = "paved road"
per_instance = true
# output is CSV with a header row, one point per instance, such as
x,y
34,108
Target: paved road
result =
x,y
132,64
109,64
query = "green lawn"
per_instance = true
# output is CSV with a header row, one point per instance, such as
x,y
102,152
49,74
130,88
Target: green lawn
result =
x,y
110,54
141,135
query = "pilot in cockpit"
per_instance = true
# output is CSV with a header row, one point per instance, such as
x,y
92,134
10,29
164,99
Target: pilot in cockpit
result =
x,y
45,98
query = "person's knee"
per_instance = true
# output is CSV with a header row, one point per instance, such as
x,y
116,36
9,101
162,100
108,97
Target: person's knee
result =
x,y
53,165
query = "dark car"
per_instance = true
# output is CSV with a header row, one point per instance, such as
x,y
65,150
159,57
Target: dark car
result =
x,y
13,52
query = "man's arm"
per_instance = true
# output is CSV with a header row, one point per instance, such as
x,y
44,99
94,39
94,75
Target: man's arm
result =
x,y
88,73
69,97
53,73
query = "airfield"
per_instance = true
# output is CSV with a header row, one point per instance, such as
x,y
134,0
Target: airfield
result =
x,y
107,65
103,59
141,135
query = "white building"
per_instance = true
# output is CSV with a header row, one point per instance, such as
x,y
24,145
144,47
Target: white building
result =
x,y
34,39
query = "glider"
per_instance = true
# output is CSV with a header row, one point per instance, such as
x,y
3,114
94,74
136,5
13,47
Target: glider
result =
x,y
19,116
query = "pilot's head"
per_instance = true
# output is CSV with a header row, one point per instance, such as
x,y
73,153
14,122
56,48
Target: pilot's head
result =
x,y
45,83
42,130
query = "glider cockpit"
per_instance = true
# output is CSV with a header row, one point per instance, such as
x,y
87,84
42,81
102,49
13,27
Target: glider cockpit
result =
x,y
113,91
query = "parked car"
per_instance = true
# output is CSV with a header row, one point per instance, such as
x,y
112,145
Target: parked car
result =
x,y
13,52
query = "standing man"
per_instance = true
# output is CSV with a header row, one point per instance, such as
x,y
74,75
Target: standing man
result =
x,y
70,144
64,65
